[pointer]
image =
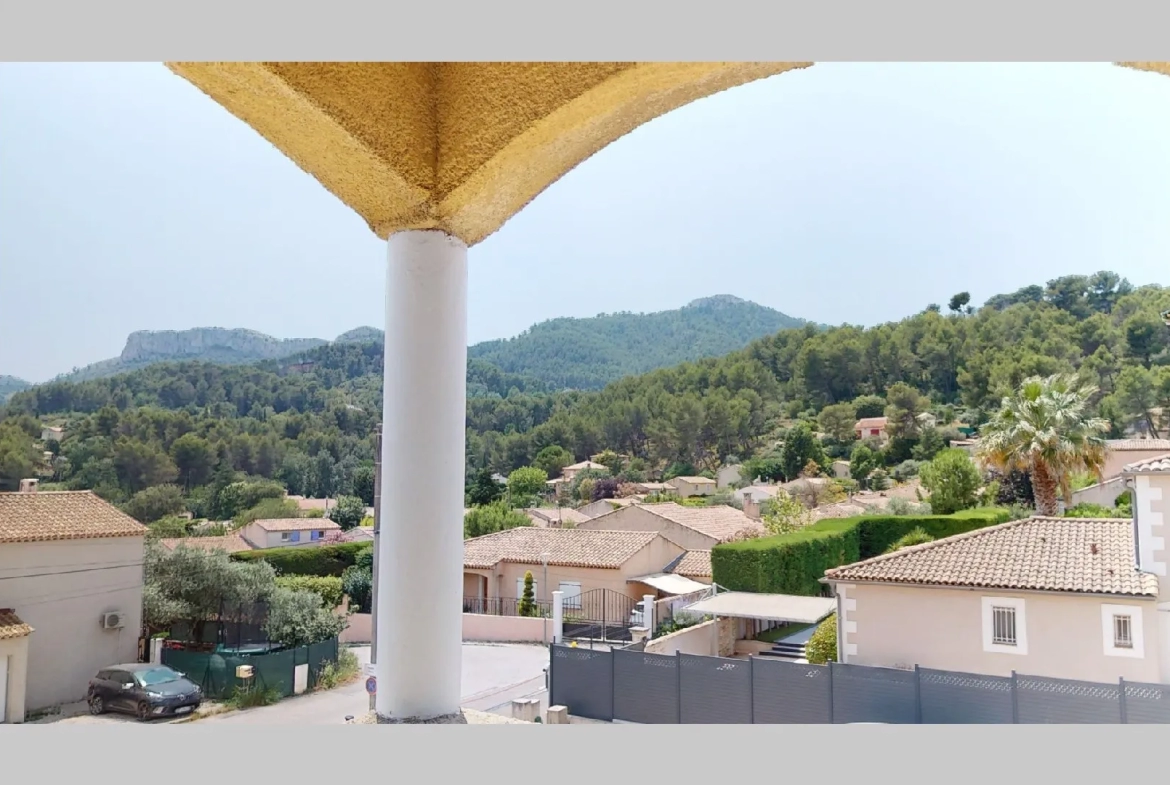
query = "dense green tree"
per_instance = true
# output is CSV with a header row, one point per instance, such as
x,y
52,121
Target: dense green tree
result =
x,y
552,459
837,421
484,489
953,481
526,483
492,518
159,501
194,459
800,447
363,483
348,512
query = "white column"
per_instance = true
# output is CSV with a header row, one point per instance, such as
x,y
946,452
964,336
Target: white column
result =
x,y
558,614
420,545
648,607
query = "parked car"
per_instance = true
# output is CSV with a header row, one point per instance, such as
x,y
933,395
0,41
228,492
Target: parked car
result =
x,y
145,690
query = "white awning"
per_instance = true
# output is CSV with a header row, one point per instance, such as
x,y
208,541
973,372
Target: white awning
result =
x,y
766,607
671,583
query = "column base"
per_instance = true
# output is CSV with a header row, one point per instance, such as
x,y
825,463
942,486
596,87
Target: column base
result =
x,y
447,719
463,717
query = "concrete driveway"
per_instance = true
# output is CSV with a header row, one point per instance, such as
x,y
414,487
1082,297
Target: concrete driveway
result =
x,y
493,674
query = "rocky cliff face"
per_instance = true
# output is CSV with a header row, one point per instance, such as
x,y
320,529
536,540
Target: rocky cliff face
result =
x,y
211,344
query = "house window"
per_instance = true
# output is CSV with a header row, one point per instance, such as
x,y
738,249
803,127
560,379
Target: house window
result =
x,y
320,534
1121,631
284,536
1004,625
572,593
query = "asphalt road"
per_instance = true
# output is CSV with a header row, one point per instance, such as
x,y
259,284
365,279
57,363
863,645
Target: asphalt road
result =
x,y
493,675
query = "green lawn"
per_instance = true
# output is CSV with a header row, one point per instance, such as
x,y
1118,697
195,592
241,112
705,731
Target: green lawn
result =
x,y
776,633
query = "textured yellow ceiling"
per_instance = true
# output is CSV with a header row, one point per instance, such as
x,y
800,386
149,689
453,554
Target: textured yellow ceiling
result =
x,y
456,146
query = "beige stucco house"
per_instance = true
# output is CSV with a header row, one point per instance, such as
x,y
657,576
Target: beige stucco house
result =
x,y
569,473
1056,597
687,487
71,595
871,428
1120,453
691,528
557,517
286,532
52,433
577,561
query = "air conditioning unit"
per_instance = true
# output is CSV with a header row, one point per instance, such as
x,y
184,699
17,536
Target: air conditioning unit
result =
x,y
113,621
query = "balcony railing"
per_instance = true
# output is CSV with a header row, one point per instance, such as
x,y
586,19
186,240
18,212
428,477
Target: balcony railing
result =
x,y
505,606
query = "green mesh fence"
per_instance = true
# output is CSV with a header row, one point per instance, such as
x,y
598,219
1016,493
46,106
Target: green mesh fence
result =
x,y
216,673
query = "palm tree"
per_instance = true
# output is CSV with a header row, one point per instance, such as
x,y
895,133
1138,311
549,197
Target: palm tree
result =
x,y
1045,429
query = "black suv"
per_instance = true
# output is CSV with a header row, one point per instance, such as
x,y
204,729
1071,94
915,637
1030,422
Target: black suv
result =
x,y
144,690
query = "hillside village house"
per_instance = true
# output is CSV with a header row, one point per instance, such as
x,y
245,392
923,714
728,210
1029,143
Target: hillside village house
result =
x,y
1119,453
230,543
71,588
1057,597
569,473
691,528
729,475
576,561
686,487
871,428
555,516
284,532
52,434
602,506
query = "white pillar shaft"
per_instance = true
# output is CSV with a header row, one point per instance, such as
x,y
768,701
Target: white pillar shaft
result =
x,y
558,614
648,620
420,544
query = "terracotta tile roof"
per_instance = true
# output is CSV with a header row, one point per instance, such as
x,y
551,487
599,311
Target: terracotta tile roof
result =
x,y
232,543
1123,445
1083,555
1158,465
695,480
585,465
296,524
11,625
565,547
554,515
62,515
719,522
866,423
693,564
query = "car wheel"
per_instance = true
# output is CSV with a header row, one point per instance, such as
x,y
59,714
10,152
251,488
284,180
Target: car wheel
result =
x,y
143,712
96,705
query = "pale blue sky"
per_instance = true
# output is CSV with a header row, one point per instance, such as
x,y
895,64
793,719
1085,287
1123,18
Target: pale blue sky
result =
x,y
845,192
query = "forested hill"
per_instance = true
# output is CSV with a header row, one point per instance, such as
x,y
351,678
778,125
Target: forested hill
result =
x,y
587,354
10,385
314,419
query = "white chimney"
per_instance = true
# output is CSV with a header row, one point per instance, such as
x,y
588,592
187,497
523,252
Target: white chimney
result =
x,y
28,486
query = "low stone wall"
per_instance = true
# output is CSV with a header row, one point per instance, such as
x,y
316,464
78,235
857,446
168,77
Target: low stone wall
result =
x,y
476,627
728,634
506,629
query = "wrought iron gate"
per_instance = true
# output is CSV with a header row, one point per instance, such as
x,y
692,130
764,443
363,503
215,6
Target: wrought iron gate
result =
x,y
598,614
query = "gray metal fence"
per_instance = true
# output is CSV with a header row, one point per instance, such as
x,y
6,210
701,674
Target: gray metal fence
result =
x,y
632,686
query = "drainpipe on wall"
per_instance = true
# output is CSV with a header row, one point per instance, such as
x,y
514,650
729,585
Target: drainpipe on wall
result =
x,y
840,625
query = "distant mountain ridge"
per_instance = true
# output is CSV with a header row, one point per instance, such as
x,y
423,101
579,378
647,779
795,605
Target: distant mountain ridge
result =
x,y
563,353
10,385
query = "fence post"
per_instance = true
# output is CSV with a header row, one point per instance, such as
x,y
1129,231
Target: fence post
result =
x,y
612,684
917,695
1015,700
558,616
829,664
678,682
752,688
550,674
1121,701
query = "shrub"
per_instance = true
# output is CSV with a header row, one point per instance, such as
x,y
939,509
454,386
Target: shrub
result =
x,y
334,674
906,470
321,560
152,504
527,604
357,583
822,644
328,587
794,563
266,509
913,537
1087,510
953,481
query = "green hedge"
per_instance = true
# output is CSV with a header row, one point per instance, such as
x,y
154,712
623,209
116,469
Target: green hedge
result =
x,y
795,563
327,587
320,560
